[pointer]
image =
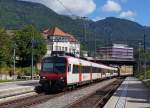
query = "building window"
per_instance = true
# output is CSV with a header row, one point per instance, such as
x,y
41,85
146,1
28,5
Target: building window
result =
x,y
49,47
62,48
59,48
66,49
56,48
70,50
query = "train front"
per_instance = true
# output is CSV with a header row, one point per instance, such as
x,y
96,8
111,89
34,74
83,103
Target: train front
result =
x,y
53,73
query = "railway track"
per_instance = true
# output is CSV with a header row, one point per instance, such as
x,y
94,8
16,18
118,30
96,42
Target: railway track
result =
x,y
41,98
28,101
97,99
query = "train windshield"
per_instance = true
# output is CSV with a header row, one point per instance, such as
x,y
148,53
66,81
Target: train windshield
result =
x,y
54,65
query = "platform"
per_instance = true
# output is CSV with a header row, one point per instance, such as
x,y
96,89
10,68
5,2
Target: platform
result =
x,y
17,87
131,94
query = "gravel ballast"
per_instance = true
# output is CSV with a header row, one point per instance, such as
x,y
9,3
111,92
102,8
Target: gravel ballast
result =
x,y
71,97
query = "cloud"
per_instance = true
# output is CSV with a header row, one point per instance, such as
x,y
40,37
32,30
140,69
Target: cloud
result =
x,y
111,6
127,14
76,7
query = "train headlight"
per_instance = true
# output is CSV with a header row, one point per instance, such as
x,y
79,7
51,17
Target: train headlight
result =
x,y
61,78
43,77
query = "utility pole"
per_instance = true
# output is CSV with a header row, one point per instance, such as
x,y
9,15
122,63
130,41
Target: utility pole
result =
x,y
84,24
144,56
139,59
32,60
32,54
95,44
14,59
84,31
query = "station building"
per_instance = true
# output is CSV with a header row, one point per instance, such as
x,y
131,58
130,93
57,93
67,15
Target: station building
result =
x,y
116,51
58,40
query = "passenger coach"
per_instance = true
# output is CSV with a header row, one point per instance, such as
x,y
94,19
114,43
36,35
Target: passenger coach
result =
x,y
61,71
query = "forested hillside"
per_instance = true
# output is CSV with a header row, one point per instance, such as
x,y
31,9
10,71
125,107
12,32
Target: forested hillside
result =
x,y
15,14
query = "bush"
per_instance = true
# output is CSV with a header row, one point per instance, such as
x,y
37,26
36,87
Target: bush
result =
x,y
19,70
6,70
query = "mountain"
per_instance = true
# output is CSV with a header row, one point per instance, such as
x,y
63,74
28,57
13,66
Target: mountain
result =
x,y
15,14
120,30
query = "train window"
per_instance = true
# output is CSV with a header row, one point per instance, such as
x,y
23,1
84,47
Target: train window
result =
x,y
69,68
83,69
75,69
95,70
87,69
47,67
98,70
59,67
54,65
92,69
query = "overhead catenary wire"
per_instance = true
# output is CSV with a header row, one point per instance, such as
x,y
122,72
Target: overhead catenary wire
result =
x,y
67,9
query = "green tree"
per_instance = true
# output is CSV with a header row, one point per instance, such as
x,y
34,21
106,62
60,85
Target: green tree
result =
x,y
5,48
24,39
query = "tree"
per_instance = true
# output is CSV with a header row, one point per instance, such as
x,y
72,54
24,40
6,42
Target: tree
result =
x,y
5,48
24,39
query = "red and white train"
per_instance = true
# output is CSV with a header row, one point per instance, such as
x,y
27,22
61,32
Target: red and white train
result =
x,y
61,71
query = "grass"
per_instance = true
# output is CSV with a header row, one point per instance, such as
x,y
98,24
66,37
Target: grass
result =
x,y
141,77
2,81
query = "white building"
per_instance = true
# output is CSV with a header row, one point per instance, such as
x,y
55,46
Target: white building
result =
x,y
58,40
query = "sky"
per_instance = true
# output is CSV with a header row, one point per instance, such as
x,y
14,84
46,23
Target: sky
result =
x,y
135,10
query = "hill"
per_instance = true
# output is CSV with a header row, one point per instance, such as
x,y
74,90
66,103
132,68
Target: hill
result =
x,y
15,14
120,30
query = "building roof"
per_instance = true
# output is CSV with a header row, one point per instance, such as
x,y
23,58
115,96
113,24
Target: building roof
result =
x,y
58,32
54,32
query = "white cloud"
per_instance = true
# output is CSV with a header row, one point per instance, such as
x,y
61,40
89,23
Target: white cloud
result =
x,y
111,6
127,14
76,7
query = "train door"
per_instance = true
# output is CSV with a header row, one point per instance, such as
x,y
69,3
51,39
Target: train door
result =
x,y
80,72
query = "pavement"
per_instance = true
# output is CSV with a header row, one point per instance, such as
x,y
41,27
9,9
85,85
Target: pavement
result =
x,y
17,87
131,94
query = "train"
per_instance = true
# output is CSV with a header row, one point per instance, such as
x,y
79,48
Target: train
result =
x,y
59,72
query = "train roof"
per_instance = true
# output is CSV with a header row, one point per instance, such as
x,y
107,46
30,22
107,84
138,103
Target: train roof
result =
x,y
85,62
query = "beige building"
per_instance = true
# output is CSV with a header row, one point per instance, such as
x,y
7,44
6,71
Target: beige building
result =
x,y
58,40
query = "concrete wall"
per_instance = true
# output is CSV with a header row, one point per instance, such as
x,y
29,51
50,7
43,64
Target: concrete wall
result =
x,y
7,77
